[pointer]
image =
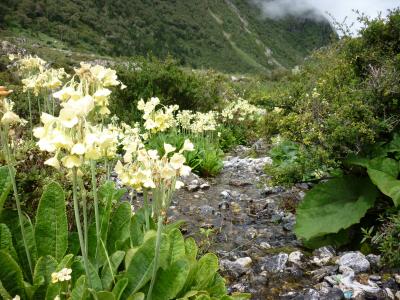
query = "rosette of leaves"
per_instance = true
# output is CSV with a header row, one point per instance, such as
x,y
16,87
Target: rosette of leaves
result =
x,y
341,202
121,269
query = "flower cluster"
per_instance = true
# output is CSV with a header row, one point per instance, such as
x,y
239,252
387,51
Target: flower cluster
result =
x,y
145,169
7,116
72,134
157,120
241,110
197,122
36,76
63,275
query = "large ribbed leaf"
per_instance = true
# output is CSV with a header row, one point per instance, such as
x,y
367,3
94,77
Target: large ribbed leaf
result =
x,y
177,246
45,266
119,229
10,218
80,289
334,205
169,282
5,185
110,269
119,288
6,243
51,228
383,173
206,268
11,275
141,263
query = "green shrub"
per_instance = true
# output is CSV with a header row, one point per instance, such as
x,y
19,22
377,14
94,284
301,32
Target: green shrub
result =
x,y
151,77
205,160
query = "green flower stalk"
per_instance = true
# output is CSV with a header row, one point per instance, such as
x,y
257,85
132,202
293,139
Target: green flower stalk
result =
x,y
8,117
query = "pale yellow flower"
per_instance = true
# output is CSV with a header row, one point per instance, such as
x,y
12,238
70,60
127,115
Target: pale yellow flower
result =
x,y
177,160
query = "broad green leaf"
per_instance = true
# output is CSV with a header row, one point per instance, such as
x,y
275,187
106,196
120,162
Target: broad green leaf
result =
x,y
334,205
95,281
80,289
206,268
383,173
10,218
120,226
107,274
169,282
5,185
3,292
6,243
45,266
66,262
11,275
78,269
177,246
336,240
137,296
137,228
103,295
141,264
51,228
191,248
217,288
119,288
53,290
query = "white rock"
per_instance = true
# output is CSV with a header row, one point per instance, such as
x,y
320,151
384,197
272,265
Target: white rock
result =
x,y
295,257
355,260
244,262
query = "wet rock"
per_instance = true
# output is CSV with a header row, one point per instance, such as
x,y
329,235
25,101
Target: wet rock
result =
x,y
239,287
319,274
347,282
239,183
311,294
391,284
192,187
375,278
288,222
223,205
226,194
236,268
275,263
206,210
323,255
265,245
205,186
389,294
397,295
397,278
355,260
374,260
333,294
272,190
295,257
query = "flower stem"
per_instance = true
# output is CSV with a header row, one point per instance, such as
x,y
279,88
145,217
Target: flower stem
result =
x,y
156,257
146,209
11,171
96,201
85,222
78,222
30,113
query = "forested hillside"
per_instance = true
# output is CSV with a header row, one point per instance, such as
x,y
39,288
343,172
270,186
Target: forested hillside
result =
x,y
229,35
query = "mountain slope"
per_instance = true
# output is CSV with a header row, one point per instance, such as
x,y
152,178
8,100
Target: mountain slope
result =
x,y
228,35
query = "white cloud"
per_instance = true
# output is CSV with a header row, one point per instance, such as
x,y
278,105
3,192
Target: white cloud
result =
x,y
340,9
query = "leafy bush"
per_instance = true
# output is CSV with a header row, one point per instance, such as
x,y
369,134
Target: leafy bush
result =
x,y
387,239
146,78
292,163
205,160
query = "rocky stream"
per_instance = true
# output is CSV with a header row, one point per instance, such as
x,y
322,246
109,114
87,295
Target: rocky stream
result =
x,y
250,227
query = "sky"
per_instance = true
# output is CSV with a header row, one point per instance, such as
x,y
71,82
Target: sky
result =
x,y
338,8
